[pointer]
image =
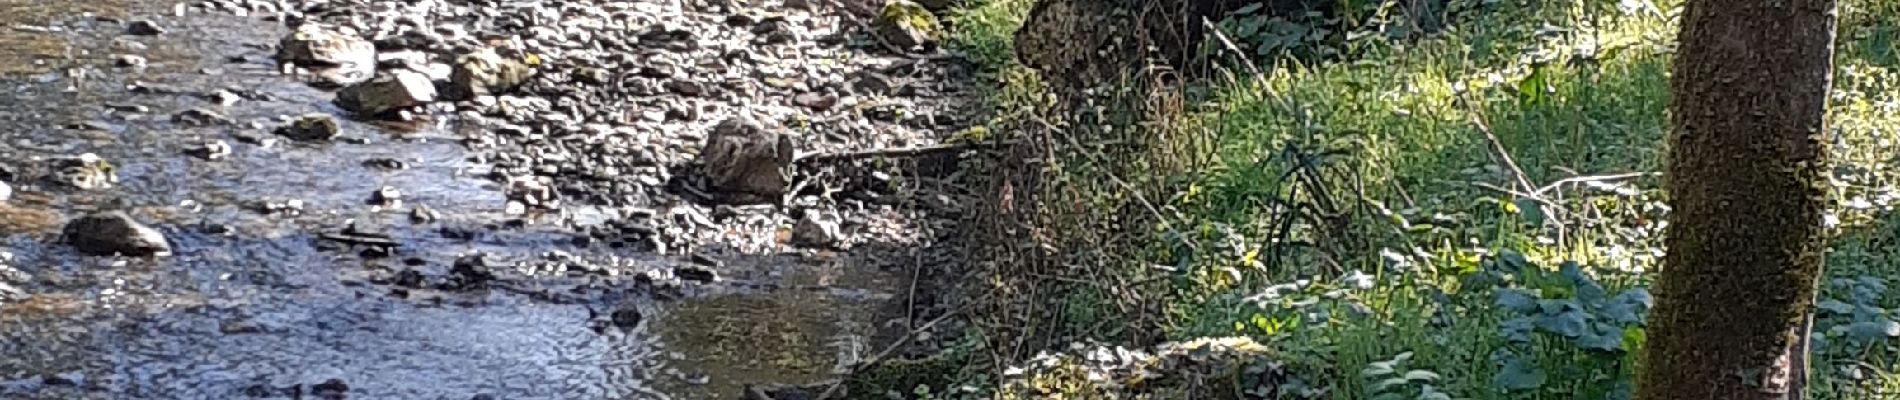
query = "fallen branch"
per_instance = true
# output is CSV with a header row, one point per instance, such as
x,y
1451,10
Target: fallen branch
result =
x,y
891,152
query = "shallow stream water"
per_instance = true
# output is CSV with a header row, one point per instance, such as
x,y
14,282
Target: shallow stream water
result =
x,y
257,305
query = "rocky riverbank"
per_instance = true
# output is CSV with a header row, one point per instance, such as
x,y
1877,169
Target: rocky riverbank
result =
x,y
606,157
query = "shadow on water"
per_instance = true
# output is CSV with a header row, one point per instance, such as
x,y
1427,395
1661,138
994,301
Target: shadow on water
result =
x,y
257,305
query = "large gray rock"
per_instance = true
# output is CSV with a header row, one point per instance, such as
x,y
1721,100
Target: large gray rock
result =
x,y
115,233
746,162
398,90
315,45
485,72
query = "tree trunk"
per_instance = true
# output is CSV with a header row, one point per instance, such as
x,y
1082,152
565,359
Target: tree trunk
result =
x,y
1746,160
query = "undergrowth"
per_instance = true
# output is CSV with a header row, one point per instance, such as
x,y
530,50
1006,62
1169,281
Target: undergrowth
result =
x,y
1336,197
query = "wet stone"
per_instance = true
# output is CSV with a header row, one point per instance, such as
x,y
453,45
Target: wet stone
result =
x,y
128,61
201,117
143,27
695,273
114,233
311,127
626,317
212,150
423,214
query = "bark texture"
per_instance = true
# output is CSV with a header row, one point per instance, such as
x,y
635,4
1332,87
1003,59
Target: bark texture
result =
x,y
1746,159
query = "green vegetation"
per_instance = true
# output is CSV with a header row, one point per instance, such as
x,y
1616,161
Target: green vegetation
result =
x,y
1332,194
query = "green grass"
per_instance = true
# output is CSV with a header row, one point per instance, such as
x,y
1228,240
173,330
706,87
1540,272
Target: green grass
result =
x,y
1431,242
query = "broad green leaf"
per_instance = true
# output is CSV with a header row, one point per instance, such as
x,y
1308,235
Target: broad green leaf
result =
x,y
1532,211
1535,88
1570,322
1835,306
1511,260
1871,330
1518,300
1602,338
1517,330
1519,374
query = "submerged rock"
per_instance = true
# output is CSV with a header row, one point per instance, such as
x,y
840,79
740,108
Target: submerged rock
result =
x,y
315,45
114,232
396,91
746,160
311,127
85,172
626,317
201,117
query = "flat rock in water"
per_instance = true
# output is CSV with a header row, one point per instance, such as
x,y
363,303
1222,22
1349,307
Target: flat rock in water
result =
x,y
114,233
316,45
396,91
747,160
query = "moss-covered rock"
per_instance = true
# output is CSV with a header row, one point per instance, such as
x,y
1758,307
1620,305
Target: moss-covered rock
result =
x,y
908,25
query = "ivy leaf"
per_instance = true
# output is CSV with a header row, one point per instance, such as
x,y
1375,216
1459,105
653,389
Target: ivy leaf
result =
x,y
1519,374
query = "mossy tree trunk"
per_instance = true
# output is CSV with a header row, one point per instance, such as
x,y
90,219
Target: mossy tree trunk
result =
x,y
1746,160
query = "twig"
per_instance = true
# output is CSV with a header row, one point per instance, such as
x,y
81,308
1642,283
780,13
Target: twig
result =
x,y
1583,179
1497,146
